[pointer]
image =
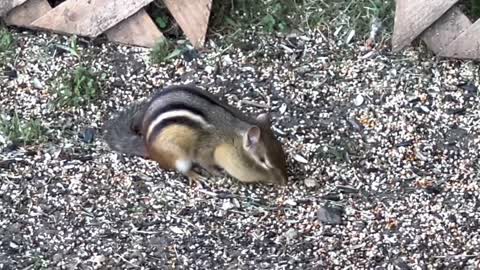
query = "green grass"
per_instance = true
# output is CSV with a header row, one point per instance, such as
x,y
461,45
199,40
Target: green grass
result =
x,y
79,88
269,16
232,19
164,52
22,131
475,8
285,15
7,44
72,47
6,39
355,15
471,8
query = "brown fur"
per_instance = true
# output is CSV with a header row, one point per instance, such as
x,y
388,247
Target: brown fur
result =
x,y
238,165
175,142
221,143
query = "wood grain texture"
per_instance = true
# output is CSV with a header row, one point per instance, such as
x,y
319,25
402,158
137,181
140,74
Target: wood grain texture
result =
x,y
466,45
7,5
27,12
193,17
412,17
88,18
138,29
445,30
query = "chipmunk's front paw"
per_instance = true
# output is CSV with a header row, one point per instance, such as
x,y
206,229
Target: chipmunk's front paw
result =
x,y
196,179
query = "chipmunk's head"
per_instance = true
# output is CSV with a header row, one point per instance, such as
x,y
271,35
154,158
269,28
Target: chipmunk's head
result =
x,y
267,152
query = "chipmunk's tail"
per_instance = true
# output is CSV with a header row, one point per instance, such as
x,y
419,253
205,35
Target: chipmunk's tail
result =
x,y
123,132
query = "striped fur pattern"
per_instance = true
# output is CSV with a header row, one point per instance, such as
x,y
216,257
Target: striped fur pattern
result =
x,y
183,126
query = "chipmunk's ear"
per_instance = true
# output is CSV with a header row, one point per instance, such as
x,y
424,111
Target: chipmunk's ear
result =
x,y
264,118
251,137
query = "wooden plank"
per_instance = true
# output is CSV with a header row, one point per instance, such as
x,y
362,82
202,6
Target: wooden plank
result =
x,y
193,17
88,18
26,13
7,5
440,34
466,45
138,30
412,17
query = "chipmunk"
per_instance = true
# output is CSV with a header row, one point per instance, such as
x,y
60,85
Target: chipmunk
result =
x,y
183,126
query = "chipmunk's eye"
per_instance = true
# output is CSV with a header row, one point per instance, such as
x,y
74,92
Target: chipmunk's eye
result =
x,y
262,160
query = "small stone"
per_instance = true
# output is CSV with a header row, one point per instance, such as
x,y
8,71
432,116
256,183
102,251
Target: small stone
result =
x,y
470,88
422,109
12,74
227,205
457,111
290,202
401,264
236,203
291,234
413,99
358,100
330,215
88,135
57,257
97,259
310,182
210,69
350,36
405,143
190,55
425,109
37,84
283,108
347,189
355,124
369,55
303,69
176,230
300,159
331,197
11,147
14,245
227,61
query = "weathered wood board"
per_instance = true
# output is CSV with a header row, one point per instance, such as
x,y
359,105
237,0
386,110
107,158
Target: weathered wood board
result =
x,y
412,17
123,21
193,17
24,14
88,18
440,24
440,34
138,29
466,45
7,5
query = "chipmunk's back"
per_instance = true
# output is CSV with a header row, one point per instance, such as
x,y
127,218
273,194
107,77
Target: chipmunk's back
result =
x,y
190,106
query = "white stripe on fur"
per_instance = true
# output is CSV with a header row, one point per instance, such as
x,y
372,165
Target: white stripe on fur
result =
x,y
172,114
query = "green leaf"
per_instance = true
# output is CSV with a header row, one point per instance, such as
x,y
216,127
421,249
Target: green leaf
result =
x,y
268,22
174,54
161,21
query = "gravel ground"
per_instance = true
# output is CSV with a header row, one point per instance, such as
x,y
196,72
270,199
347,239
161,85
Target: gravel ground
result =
x,y
383,154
